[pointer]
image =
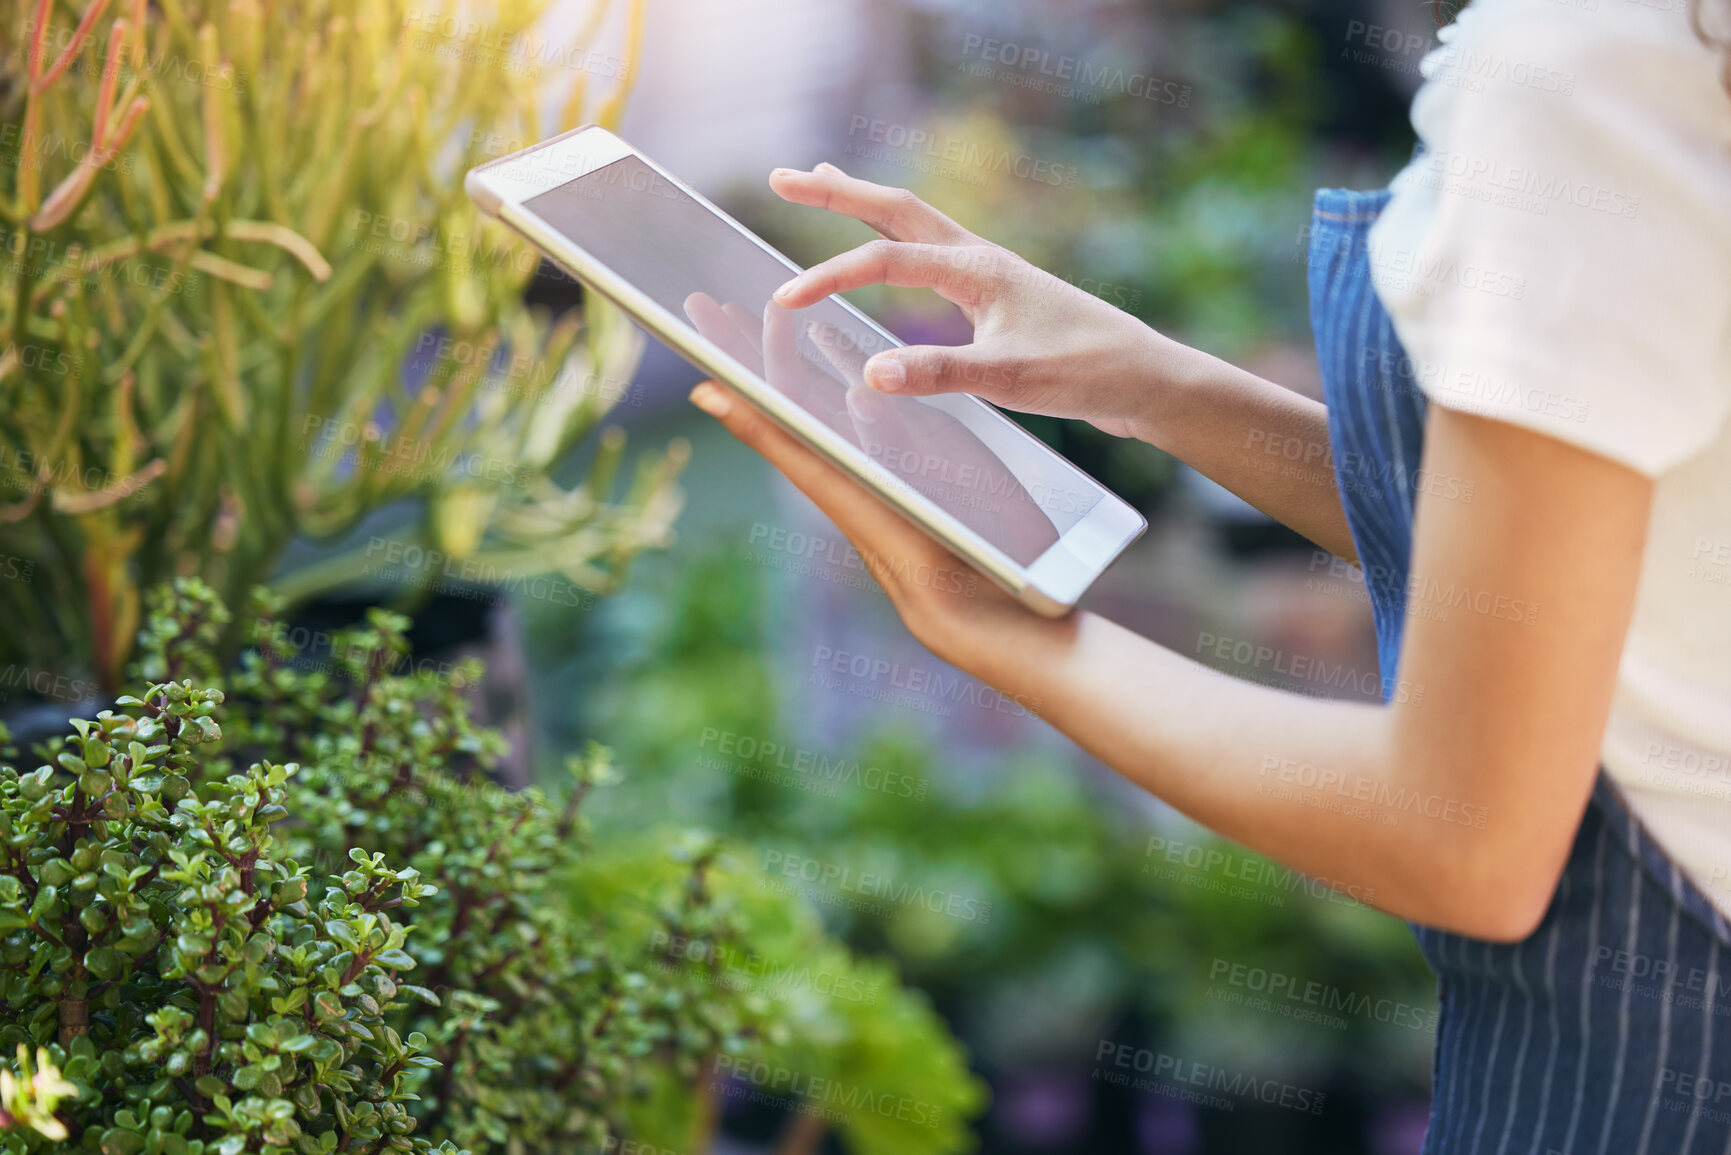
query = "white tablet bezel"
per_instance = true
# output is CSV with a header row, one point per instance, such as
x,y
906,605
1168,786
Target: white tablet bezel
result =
x,y
1051,584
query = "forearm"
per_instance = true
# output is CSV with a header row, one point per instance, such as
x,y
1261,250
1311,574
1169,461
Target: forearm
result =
x,y
1457,809
1263,442
1457,805
1321,786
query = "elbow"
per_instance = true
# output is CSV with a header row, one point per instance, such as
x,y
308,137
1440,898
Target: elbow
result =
x,y
1509,917
1496,879
1501,898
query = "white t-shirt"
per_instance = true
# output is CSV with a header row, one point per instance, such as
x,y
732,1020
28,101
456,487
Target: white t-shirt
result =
x,y
1559,257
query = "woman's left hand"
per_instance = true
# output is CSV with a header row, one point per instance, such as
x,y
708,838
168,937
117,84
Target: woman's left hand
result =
x,y
946,604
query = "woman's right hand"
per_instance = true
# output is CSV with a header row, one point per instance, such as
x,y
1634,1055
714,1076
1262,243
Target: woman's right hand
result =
x,y
1041,345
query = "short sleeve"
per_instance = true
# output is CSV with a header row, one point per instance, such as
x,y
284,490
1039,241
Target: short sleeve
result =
x,y
1558,254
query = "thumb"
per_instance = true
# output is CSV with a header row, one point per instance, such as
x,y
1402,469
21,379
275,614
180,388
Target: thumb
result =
x,y
924,369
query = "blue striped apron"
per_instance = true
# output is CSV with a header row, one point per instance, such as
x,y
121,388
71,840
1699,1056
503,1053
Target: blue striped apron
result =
x,y
1608,1031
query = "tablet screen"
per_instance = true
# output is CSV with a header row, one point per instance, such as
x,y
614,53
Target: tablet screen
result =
x,y
974,463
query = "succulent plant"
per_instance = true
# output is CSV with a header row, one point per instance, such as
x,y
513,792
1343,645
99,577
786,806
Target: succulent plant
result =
x,y
243,299
267,908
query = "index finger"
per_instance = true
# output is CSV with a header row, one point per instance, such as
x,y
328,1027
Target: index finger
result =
x,y
955,274
895,212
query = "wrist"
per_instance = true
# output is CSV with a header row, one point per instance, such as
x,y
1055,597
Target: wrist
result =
x,y
1172,381
993,637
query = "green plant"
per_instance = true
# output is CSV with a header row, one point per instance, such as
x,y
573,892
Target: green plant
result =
x,y
268,909
197,998
841,1046
243,298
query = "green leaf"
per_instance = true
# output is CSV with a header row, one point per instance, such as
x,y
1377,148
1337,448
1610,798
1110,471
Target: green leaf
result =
x,y
102,962
116,1141
46,897
193,945
57,872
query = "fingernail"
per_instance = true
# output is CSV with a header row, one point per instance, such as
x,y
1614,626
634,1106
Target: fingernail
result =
x,y
781,172
885,374
785,291
711,400
828,167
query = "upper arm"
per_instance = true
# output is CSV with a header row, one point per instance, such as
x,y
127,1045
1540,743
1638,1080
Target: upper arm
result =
x,y
1586,316
1518,603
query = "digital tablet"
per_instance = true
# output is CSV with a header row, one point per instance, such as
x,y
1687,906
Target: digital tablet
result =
x,y
701,282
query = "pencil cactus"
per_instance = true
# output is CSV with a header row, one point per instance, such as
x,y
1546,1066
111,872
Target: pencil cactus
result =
x,y
243,298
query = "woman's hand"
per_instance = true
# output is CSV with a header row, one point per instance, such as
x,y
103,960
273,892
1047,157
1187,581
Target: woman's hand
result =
x,y
959,615
1040,344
